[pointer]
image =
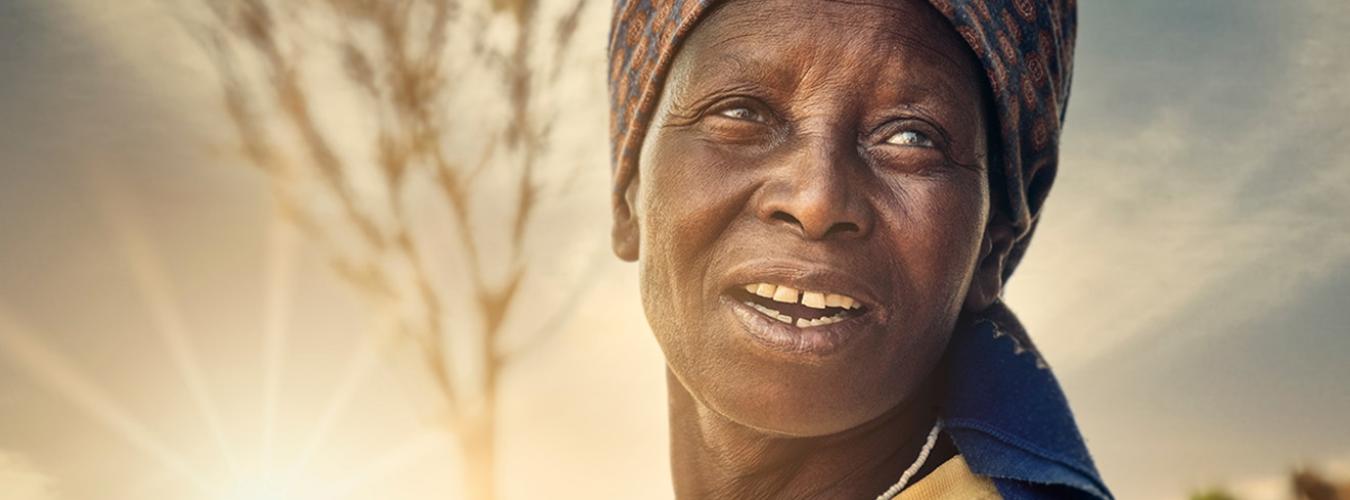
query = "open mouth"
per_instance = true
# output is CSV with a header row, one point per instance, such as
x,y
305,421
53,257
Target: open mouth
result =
x,y
804,309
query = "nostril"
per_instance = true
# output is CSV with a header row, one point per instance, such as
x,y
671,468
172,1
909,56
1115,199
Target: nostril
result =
x,y
835,230
842,227
786,217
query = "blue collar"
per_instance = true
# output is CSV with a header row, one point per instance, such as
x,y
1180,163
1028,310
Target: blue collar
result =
x,y
1006,414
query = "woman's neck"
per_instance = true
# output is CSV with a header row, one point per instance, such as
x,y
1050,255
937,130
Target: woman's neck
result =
x,y
714,457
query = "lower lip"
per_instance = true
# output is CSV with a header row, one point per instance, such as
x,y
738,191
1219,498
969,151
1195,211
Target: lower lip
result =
x,y
783,338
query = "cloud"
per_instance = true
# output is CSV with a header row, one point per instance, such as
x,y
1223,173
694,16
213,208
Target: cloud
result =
x,y
1184,279
1192,178
20,480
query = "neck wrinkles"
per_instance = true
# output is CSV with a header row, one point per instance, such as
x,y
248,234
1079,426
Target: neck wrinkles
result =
x,y
714,457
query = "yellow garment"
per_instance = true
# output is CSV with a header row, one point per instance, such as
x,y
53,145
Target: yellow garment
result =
x,y
952,480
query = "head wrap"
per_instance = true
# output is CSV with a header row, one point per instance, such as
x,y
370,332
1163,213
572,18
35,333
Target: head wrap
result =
x,y
1024,46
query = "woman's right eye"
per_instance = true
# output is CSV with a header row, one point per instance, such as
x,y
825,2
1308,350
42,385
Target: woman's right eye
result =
x,y
739,122
742,113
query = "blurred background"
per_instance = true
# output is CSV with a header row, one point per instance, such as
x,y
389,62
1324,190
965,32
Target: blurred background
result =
x,y
257,249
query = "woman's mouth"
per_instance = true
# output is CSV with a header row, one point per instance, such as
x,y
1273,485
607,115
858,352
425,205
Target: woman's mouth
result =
x,y
805,309
812,323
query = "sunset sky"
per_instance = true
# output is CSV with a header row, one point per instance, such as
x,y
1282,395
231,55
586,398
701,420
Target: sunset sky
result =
x,y
163,334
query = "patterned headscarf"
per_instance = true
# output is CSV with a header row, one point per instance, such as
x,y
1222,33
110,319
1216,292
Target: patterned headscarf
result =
x,y
1025,47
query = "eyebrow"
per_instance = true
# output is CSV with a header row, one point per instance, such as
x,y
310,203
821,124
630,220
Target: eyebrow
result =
x,y
723,69
741,66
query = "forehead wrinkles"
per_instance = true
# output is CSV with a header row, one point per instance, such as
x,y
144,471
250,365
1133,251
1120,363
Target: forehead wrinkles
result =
x,y
738,34
900,23
912,22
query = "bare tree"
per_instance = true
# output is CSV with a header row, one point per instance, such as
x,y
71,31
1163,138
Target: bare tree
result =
x,y
403,65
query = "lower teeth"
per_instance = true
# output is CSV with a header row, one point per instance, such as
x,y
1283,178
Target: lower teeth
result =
x,y
800,322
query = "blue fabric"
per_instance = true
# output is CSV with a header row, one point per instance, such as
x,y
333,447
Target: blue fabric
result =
x,y
1007,416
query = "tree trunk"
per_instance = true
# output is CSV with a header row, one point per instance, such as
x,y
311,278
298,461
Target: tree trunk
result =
x,y
479,447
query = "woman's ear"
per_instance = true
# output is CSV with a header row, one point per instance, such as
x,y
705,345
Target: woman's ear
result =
x,y
625,232
986,286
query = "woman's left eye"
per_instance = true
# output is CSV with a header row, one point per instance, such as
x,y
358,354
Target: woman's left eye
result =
x,y
911,138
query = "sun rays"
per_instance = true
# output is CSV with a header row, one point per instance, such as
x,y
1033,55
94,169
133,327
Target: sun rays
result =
x,y
23,347
359,367
280,277
157,291
267,472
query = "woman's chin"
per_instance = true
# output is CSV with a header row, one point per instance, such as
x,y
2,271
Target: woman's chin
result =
x,y
786,380
783,407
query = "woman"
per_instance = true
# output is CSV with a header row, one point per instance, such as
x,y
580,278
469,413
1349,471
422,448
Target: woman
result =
x,y
825,199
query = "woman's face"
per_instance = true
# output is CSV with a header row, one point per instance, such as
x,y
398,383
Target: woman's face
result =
x,y
809,208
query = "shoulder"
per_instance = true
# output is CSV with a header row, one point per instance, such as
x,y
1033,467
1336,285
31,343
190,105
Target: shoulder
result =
x,y
951,481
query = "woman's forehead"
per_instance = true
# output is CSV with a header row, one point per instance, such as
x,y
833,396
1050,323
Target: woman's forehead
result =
x,y
898,47
910,22
754,35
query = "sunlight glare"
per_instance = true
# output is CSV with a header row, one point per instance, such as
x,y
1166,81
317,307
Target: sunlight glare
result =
x,y
157,291
280,271
60,376
267,489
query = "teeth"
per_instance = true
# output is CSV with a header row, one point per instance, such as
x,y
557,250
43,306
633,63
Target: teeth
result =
x,y
800,322
770,312
765,310
814,300
785,294
828,320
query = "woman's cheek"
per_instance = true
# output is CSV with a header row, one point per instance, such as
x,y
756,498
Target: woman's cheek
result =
x,y
940,233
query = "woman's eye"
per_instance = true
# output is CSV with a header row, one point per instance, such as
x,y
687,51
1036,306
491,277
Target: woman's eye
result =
x,y
911,138
742,114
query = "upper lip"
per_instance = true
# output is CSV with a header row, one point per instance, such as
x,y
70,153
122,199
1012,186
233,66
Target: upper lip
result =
x,y
806,276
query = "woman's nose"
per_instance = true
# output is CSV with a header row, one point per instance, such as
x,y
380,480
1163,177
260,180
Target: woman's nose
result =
x,y
817,194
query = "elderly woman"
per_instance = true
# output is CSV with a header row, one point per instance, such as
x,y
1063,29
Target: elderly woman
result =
x,y
825,199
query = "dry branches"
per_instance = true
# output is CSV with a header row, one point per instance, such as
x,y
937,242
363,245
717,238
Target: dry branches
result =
x,y
402,65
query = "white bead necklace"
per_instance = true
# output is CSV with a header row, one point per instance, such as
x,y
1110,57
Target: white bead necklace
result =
x,y
918,464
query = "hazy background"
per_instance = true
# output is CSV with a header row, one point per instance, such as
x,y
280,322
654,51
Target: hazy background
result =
x,y
1189,281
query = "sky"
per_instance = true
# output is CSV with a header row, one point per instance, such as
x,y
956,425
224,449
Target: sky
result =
x,y
164,334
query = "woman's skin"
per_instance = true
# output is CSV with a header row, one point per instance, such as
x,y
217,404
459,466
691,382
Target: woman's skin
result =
x,y
838,147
